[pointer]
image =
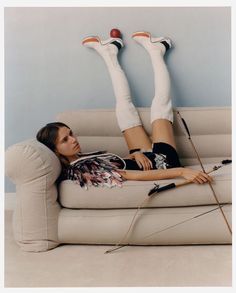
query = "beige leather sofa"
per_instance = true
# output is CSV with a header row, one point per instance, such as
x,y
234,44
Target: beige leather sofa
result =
x,y
47,215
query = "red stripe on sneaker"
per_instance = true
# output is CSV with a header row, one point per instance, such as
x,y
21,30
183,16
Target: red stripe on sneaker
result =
x,y
90,40
141,34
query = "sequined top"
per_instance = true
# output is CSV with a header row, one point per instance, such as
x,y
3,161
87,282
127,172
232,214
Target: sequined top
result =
x,y
95,169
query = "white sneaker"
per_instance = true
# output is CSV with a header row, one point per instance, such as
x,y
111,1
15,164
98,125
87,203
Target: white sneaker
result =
x,y
145,38
95,41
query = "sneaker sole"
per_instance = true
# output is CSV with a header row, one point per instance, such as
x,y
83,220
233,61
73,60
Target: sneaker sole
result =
x,y
148,35
91,40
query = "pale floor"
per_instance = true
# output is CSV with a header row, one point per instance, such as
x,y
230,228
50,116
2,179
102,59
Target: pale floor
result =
x,y
88,266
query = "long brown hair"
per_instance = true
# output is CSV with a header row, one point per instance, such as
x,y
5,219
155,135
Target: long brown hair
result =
x,y
48,136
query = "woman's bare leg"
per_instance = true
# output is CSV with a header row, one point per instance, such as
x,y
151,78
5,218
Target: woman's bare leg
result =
x,y
162,131
137,138
161,108
127,116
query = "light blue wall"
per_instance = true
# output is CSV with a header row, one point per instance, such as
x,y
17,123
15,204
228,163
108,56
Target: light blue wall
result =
x,y
47,70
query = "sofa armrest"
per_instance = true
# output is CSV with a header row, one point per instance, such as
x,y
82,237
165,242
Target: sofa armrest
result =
x,y
34,169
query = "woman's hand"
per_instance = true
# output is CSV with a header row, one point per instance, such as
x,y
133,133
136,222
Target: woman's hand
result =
x,y
142,161
196,176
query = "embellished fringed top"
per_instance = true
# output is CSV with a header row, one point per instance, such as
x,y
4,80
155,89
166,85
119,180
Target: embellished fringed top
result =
x,y
95,169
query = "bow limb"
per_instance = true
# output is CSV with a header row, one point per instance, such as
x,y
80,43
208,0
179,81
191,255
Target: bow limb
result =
x,y
187,132
168,227
118,245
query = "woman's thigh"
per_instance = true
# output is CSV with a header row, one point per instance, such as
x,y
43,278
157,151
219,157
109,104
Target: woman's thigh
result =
x,y
162,131
137,138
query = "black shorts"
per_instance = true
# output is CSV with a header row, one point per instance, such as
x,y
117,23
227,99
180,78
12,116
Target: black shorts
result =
x,y
162,156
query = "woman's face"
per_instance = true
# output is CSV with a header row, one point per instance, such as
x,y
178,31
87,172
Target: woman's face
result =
x,y
67,144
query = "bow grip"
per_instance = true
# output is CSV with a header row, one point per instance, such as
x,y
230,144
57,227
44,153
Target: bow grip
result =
x,y
186,127
166,187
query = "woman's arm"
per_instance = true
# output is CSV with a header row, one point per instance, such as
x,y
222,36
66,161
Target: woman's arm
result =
x,y
187,173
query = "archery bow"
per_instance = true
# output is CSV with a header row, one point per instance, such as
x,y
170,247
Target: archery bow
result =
x,y
120,245
158,189
187,133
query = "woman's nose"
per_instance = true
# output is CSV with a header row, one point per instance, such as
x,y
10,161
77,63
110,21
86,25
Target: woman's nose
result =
x,y
73,139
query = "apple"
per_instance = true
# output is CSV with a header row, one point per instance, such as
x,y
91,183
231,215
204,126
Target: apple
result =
x,y
115,33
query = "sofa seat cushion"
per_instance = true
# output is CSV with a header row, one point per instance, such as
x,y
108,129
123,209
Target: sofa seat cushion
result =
x,y
108,226
132,193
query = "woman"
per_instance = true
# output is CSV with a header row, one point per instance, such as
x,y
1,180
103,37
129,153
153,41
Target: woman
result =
x,y
148,160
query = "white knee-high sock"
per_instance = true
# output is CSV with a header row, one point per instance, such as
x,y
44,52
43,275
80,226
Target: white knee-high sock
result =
x,y
161,107
127,115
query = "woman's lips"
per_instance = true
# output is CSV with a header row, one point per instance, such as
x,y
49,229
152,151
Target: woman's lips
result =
x,y
77,146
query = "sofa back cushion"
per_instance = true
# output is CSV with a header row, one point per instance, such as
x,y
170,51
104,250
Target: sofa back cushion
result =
x,y
210,129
